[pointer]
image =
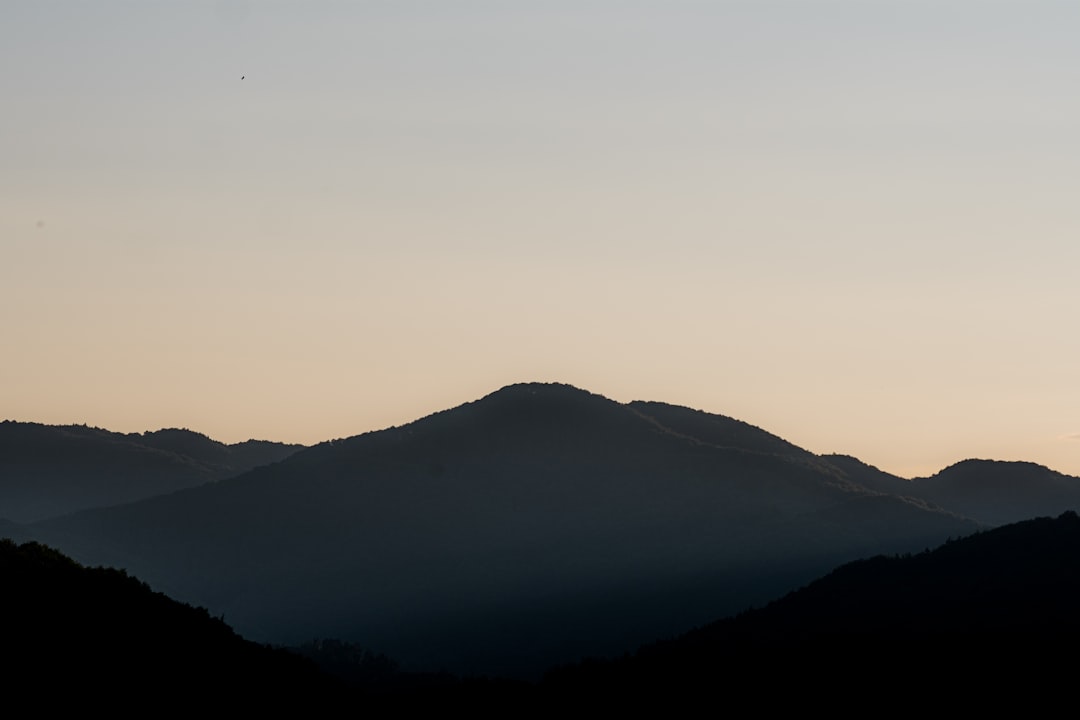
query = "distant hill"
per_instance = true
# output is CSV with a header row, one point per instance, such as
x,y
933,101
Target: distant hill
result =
x,y
996,493
988,491
538,524
98,637
49,470
978,622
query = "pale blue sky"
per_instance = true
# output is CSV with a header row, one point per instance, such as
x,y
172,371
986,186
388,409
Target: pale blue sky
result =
x,y
851,223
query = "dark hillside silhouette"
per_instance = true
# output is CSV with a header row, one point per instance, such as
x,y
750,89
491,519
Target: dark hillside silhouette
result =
x,y
988,491
97,637
995,492
49,470
986,622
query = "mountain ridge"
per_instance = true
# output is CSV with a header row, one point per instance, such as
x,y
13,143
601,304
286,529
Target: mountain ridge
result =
x,y
52,470
461,537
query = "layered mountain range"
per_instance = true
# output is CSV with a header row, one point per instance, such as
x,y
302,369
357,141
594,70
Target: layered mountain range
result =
x,y
985,623
536,525
50,470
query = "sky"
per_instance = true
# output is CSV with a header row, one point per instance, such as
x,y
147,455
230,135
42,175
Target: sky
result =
x,y
851,223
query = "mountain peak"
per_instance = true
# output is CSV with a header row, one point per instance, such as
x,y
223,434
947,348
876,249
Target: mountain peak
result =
x,y
540,400
999,492
982,464
542,389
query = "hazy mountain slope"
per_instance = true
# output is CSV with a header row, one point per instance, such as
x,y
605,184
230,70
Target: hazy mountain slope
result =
x,y
13,531
977,621
989,491
996,492
227,460
537,524
50,470
869,476
718,430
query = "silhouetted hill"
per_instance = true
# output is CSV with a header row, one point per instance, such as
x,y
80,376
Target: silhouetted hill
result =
x,y
186,443
988,491
975,623
537,524
996,492
99,638
48,470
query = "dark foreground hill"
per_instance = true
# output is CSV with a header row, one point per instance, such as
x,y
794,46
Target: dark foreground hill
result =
x,y
985,623
976,623
97,637
50,470
539,524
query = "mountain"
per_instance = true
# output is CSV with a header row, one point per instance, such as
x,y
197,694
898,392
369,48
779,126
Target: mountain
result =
x,y
996,493
100,637
49,470
979,622
988,491
535,525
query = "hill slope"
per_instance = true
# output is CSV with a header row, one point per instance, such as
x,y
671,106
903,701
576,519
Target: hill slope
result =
x,y
997,492
103,636
49,470
977,622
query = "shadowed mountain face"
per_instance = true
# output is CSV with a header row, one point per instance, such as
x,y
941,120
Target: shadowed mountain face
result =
x,y
1000,492
869,476
538,524
979,621
988,491
50,470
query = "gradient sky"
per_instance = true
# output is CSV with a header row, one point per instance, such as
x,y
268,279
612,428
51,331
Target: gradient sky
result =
x,y
854,224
